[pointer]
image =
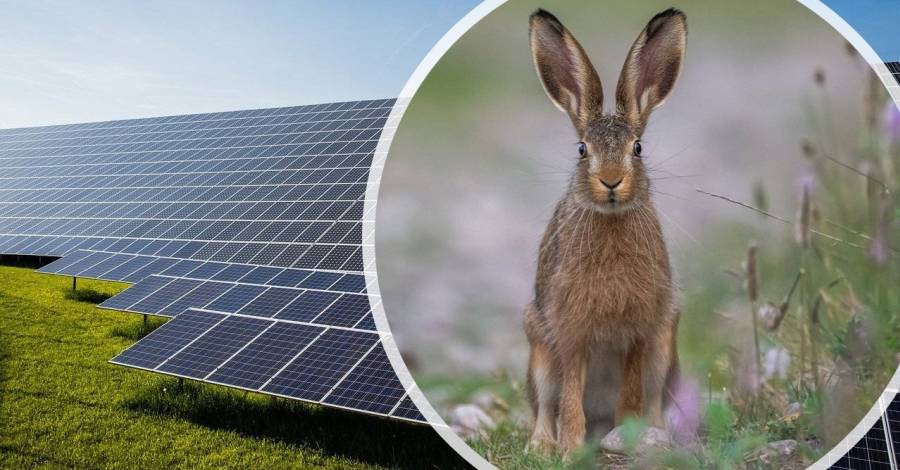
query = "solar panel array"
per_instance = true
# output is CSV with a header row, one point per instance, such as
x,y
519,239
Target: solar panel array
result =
x,y
245,227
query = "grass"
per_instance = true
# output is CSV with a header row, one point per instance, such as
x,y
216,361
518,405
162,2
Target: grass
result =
x,y
63,406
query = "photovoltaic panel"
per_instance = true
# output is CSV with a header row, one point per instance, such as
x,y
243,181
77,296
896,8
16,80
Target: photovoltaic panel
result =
x,y
236,297
209,351
870,453
408,410
259,361
244,227
168,339
322,365
894,70
371,385
892,418
136,293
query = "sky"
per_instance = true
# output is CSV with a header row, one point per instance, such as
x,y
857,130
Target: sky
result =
x,y
93,60
876,20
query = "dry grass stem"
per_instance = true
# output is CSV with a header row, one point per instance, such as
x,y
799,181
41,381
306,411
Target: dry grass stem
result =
x,y
753,293
778,218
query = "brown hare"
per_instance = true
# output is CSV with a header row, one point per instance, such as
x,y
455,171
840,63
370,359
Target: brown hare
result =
x,y
602,324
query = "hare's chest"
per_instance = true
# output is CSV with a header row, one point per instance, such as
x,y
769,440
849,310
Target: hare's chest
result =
x,y
612,291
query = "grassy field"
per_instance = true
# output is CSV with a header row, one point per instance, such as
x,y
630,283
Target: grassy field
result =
x,y
63,406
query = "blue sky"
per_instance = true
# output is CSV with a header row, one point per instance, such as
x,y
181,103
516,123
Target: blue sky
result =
x,y
876,20
94,60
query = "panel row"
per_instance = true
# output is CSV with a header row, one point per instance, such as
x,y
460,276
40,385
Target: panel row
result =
x,y
174,180
24,218
140,143
331,366
44,168
135,268
168,297
295,125
147,197
296,255
315,230
310,113
329,155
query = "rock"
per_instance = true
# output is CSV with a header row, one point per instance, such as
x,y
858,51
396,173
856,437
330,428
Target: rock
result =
x,y
777,451
490,402
651,438
793,411
469,421
784,448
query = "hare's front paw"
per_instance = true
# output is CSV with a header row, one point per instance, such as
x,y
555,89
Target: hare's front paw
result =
x,y
570,446
541,442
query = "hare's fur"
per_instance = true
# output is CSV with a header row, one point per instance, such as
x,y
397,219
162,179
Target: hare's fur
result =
x,y
602,325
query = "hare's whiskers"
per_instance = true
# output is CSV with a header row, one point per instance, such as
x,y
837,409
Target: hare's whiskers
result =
x,y
679,227
662,193
676,154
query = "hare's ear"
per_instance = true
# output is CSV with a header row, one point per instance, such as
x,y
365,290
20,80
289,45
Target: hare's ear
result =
x,y
568,76
652,66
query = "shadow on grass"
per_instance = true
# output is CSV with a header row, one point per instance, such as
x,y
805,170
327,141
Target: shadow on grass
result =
x,y
87,295
26,261
137,329
331,431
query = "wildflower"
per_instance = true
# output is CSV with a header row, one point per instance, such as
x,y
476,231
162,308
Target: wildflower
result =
x,y
804,212
683,416
776,363
878,247
890,122
771,315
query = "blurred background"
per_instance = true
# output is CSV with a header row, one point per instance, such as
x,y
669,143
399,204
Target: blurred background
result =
x,y
772,109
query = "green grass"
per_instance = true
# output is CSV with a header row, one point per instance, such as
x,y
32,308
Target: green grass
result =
x,y
63,406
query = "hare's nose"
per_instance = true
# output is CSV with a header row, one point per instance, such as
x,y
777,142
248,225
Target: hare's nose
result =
x,y
612,185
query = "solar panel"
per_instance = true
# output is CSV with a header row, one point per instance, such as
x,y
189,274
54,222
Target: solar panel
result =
x,y
870,453
245,228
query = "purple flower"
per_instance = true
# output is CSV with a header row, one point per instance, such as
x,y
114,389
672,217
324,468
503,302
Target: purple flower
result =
x,y
683,412
890,122
879,250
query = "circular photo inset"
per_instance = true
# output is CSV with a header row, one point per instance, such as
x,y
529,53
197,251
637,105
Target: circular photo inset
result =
x,y
646,234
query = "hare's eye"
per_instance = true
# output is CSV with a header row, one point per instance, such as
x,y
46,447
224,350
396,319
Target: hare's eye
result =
x,y
637,148
582,149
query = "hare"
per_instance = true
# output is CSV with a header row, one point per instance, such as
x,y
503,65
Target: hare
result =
x,y
602,325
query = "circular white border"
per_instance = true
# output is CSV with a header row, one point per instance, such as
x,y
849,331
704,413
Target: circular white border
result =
x,y
381,151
